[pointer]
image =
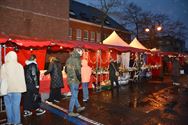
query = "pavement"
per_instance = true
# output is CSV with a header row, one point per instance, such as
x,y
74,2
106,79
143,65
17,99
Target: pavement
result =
x,y
153,102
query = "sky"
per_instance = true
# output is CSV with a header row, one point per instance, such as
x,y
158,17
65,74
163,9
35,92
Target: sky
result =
x,y
176,9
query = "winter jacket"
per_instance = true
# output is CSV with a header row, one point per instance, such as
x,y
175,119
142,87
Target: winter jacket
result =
x,y
55,71
32,75
73,64
113,67
85,71
13,72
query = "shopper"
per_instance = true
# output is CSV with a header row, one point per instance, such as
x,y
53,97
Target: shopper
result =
x,y
55,71
175,71
32,98
13,73
85,75
73,66
113,73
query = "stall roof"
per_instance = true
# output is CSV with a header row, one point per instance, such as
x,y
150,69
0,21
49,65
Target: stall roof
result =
x,y
136,44
66,44
115,40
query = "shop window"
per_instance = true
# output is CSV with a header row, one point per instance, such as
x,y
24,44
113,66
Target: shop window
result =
x,y
85,35
78,34
98,37
92,37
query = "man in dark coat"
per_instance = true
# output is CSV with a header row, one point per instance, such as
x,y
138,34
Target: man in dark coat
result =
x,y
113,68
56,83
32,75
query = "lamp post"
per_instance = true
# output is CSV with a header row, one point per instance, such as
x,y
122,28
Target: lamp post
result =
x,y
152,34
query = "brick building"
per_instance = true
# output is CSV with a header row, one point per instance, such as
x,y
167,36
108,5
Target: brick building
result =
x,y
44,19
85,24
56,19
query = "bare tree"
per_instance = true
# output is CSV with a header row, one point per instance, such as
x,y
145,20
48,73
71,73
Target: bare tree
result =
x,y
106,6
131,16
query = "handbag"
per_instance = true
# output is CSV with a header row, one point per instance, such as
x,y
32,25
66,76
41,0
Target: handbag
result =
x,y
116,73
182,72
3,87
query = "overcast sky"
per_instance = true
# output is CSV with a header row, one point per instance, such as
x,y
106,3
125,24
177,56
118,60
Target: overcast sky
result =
x,y
176,9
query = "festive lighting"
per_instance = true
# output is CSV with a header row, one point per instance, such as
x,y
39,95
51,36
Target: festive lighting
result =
x,y
147,30
159,28
61,47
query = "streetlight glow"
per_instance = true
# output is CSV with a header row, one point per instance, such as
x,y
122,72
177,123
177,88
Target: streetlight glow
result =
x,y
159,28
147,30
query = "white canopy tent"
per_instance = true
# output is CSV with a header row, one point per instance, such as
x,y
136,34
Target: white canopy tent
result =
x,y
115,40
136,44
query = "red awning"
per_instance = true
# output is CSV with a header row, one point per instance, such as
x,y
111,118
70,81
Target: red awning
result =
x,y
31,43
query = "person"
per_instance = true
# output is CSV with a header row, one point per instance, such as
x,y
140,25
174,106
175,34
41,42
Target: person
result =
x,y
113,69
13,72
185,67
85,75
73,66
175,71
56,83
32,75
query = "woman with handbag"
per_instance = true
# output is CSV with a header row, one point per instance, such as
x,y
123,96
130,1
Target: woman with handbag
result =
x,y
32,98
113,73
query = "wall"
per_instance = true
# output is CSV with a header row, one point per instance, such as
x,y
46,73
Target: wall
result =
x,y
46,19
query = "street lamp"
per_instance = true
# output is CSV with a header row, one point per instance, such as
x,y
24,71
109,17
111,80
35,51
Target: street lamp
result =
x,y
158,28
152,33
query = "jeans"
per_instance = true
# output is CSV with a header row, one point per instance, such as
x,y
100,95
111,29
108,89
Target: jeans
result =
x,y
74,97
85,91
12,104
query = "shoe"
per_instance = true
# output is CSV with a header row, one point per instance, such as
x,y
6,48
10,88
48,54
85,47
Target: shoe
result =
x,y
57,101
40,111
72,114
80,109
177,84
27,113
49,102
7,123
85,100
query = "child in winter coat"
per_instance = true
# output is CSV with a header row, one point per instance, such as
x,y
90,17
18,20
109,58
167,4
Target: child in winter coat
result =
x,y
85,74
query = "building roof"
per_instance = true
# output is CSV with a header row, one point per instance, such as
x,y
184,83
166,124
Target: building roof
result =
x,y
87,13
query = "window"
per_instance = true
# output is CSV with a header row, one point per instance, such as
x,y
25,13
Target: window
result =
x,y
92,37
70,33
85,35
78,34
107,22
72,13
98,37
